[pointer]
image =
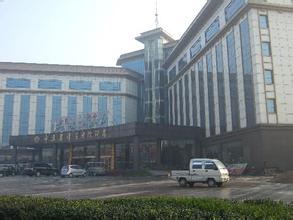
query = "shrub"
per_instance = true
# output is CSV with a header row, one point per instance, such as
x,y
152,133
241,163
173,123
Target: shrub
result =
x,y
16,207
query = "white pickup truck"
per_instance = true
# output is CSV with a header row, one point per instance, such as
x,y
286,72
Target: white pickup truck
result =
x,y
210,171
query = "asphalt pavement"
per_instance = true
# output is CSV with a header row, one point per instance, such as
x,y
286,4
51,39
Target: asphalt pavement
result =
x,y
240,188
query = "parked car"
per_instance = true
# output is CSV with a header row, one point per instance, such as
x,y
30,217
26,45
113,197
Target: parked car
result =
x,y
95,168
7,170
72,170
210,171
38,169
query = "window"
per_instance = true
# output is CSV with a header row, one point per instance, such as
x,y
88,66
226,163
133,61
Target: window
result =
x,y
232,8
263,22
103,110
7,118
197,165
80,85
271,105
210,165
117,110
87,104
24,114
182,62
110,86
18,83
212,29
268,77
196,47
172,73
72,107
49,84
266,49
40,114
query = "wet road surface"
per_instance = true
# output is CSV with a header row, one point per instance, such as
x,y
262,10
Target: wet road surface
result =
x,y
240,188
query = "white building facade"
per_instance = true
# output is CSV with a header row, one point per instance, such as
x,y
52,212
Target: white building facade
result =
x,y
43,98
233,67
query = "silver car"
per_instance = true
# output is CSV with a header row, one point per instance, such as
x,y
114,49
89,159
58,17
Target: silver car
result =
x,y
72,170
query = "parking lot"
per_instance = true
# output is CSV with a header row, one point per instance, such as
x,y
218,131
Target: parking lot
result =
x,y
239,188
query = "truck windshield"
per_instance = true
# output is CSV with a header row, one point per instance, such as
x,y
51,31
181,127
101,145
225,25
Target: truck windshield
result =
x,y
219,164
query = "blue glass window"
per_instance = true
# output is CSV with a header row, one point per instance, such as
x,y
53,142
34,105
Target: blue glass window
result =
x,y
209,63
7,118
271,105
266,49
245,46
196,47
40,114
232,8
110,86
117,110
269,77
49,84
182,62
135,65
56,110
24,114
87,104
247,73
232,66
187,105
263,22
212,29
18,83
201,94
221,87
172,74
80,85
103,110
72,107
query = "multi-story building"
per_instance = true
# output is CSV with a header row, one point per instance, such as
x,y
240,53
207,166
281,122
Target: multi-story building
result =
x,y
42,98
231,73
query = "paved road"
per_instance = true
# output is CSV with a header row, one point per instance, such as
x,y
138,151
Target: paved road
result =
x,y
108,187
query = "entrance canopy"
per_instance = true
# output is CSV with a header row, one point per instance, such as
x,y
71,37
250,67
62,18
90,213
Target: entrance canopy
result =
x,y
109,134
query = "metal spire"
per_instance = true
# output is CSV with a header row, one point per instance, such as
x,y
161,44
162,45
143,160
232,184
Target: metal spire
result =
x,y
157,15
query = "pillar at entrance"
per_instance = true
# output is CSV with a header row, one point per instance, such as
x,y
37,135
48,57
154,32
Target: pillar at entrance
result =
x,y
55,155
158,154
113,157
136,148
40,154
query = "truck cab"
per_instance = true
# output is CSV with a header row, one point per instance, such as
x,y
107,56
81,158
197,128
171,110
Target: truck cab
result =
x,y
202,170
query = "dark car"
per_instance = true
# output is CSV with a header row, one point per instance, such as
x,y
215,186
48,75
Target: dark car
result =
x,y
38,169
7,170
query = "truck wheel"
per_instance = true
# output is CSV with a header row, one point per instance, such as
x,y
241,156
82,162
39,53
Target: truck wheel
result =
x,y
182,182
211,182
190,184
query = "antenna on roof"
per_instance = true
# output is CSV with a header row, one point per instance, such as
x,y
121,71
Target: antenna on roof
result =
x,y
157,15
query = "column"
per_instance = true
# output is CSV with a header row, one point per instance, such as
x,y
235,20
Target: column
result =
x,y
158,155
40,154
55,155
98,151
136,161
61,157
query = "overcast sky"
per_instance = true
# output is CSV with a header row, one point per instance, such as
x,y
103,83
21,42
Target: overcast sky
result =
x,y
85,32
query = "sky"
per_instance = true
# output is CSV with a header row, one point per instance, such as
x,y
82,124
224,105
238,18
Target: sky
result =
x,y
85,32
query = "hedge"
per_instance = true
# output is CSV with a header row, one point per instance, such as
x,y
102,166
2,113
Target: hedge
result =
x,y
16,207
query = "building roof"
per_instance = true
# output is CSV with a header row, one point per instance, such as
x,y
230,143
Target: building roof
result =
x,y
210,7
154,34
138,54
67,69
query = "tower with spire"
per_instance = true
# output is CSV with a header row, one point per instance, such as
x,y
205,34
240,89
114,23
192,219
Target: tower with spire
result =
x,y
155,98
